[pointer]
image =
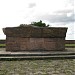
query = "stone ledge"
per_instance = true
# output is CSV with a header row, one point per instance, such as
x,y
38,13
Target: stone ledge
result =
x,y
35,32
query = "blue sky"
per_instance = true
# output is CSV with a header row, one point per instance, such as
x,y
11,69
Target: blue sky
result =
x,y
57,13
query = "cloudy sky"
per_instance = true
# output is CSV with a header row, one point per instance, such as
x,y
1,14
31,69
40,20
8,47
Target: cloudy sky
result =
x,y
56,13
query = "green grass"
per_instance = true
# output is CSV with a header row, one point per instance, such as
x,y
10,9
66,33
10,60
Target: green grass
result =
x,y
38,67
70,45
65,44
2,45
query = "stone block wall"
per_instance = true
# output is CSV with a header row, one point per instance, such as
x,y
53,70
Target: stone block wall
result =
x,y
21,44
35,38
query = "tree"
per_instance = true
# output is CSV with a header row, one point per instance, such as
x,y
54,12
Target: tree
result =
x,y
39,24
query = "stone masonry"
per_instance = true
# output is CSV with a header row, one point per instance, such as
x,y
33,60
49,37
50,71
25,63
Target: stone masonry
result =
x,y
30,38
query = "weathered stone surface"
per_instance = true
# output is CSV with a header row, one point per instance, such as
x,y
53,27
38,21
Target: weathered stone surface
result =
x,y
35,32
35,38
35,44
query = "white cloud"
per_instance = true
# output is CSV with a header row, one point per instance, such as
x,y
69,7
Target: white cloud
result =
x,y
15,12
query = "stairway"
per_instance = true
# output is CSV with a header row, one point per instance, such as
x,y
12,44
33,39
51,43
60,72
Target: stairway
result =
x,y
38,55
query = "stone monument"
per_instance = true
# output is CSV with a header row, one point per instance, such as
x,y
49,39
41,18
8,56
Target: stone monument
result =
x,y
30,38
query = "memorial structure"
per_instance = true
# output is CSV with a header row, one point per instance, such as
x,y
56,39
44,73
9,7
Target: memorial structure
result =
x,y
30,38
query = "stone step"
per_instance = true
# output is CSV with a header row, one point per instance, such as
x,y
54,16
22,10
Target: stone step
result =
x,y
7,55
38,57
44,53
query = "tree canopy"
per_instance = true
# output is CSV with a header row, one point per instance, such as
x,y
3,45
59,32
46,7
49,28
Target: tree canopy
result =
x,y
39,24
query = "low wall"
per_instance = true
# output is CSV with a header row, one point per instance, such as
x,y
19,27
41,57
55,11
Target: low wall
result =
x,y
2,41
70,41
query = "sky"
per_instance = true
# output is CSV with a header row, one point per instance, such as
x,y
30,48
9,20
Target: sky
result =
x,y
56,13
